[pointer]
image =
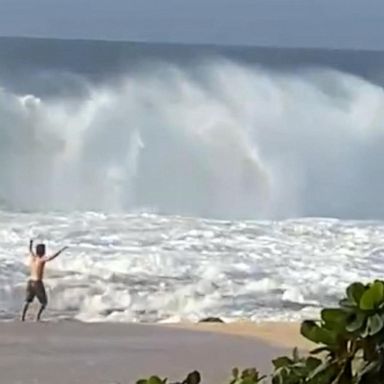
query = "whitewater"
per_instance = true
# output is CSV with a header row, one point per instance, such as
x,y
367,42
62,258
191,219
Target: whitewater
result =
x,y
150,268
208,186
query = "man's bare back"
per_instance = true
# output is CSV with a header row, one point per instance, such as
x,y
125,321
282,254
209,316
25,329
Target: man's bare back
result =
x,y
35,286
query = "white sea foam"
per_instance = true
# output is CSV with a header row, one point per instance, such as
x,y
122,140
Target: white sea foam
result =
x,y
157,268
220,140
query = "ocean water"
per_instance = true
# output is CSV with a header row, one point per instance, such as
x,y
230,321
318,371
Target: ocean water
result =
x,y
189,181
151,268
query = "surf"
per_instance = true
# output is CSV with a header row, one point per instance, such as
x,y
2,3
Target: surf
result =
x,y
227,140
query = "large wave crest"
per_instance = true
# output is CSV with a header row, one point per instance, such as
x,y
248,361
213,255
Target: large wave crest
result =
x,y
226,141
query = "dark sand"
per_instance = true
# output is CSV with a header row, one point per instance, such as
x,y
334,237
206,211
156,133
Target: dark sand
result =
x,y
70,352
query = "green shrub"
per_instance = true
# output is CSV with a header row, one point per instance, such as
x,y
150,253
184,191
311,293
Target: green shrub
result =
x,y
350,349
294,370
192,378
248,376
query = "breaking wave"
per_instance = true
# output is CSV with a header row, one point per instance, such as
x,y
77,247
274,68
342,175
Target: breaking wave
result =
x,y
225,141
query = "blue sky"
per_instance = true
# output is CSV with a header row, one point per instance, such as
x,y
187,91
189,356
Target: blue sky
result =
x,y
313,23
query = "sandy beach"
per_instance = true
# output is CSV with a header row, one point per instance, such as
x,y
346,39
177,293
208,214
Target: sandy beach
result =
x,y
278,334
71,352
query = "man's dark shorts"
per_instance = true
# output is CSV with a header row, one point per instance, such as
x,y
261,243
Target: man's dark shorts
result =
x,y
36,289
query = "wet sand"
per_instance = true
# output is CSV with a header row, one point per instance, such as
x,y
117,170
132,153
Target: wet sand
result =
x,y
71,352
286,335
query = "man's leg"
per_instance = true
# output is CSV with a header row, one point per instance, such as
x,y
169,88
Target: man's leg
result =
x,y
42,296
30,295
42,307
25,309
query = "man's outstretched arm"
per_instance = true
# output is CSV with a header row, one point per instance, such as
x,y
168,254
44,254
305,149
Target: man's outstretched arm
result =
x,y
56,254
31,248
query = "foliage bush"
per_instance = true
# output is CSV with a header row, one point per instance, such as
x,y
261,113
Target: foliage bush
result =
x,y
350,350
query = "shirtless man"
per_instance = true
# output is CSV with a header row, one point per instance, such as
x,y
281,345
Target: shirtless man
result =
x,y
35,286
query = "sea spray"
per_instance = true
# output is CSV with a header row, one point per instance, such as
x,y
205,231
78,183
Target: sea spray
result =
x,y
233,142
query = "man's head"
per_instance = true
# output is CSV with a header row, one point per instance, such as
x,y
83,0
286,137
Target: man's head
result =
x,y
40,250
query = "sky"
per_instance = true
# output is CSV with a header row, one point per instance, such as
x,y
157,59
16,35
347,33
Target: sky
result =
x,y
309,23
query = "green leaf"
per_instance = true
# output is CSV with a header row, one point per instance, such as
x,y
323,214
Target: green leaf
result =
x,y
299,371
281,376
334,318
317,351
357,322
373,297
378,289
347,305
282,361
310,330
312,363
354,292
364,333
375,324
142,381
333,315
278,378
193,378
250,376
326,369
155,380
367,302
